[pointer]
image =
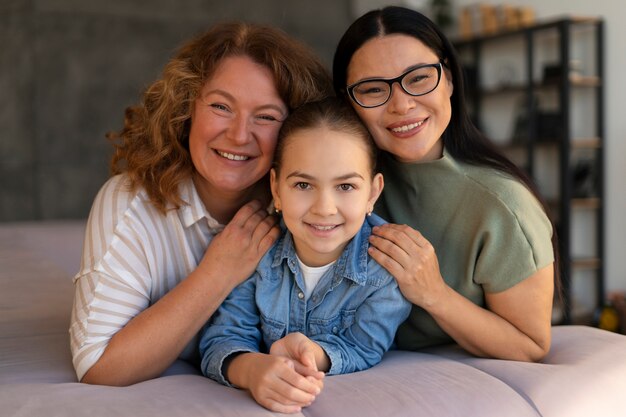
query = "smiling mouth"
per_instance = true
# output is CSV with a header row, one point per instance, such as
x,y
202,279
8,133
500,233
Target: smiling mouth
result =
x,y
232,156
408,127
323,228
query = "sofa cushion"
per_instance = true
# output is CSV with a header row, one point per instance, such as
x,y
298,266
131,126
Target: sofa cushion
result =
x,y
584,374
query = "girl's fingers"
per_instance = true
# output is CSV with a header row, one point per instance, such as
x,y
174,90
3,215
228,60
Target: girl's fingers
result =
x,y
308,371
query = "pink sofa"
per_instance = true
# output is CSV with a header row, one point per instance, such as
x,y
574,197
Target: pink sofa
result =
x,y
584,374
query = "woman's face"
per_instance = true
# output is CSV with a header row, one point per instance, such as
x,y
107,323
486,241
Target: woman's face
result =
x,y
234,127
409,127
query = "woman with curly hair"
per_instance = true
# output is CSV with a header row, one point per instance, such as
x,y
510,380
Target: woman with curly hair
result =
x,y
184,219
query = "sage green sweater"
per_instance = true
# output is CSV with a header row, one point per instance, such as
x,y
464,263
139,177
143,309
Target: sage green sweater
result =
x,y
488,230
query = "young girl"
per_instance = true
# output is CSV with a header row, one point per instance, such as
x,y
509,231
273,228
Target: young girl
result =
x,y
317,302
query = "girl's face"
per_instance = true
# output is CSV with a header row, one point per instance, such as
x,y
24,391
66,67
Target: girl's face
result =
x,y
408,127
234,127
324,189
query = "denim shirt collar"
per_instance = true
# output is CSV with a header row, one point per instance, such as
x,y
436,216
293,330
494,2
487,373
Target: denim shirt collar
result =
x,y
352,263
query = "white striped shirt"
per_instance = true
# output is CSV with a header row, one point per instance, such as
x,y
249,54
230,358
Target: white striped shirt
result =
x,y
132,256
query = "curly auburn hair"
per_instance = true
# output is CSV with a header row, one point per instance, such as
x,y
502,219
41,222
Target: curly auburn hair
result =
x,y
152,148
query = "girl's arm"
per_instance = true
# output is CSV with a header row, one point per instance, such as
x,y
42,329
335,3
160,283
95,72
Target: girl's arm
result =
x,y
229,348
309,357
273,381
149,343
516,323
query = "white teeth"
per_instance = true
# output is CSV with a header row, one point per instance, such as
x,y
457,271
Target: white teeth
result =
x,y
407,127
233,157
323,228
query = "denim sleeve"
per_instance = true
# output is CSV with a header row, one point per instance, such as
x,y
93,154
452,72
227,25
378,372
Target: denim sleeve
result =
x,y
362,345
233,328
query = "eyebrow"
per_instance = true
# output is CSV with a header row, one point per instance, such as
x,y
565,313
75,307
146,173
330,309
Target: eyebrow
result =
x,y
347,176
281,109
410,67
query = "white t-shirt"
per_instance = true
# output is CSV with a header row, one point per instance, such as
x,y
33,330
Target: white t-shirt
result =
x,y
132,256
312,276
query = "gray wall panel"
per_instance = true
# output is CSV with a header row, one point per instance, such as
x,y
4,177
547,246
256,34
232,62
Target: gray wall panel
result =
x,y
68,68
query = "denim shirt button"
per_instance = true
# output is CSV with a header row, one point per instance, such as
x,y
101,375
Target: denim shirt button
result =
x,y
301,295
335,329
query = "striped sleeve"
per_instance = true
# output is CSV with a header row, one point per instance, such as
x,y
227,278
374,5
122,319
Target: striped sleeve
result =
x,y
113,284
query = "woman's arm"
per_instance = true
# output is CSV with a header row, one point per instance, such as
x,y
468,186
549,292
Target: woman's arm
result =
x,y
516,323
149,343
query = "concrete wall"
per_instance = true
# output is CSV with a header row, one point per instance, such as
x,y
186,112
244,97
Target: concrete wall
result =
x,y
68,68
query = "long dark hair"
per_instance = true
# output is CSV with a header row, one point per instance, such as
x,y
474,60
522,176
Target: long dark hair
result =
x,y
461,138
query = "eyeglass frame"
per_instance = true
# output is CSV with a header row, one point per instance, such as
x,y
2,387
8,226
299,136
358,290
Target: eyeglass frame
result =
x,y
398,79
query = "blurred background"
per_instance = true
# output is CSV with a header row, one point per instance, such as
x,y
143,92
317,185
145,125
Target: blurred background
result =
x,y
68,68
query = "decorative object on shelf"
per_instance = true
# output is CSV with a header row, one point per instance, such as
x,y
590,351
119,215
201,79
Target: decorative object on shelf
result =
x,y
548,123
521,125
485,19
585,178
607,318
506,74
617,299
552,72
466,27
489,15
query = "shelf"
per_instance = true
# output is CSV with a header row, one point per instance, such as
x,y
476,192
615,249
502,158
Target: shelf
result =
x,y
548,24
575,81
586,203
576,143
586,263
543,143
586,143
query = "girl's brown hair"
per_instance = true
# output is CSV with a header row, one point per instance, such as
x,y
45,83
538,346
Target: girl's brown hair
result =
x,y
152,148
332,113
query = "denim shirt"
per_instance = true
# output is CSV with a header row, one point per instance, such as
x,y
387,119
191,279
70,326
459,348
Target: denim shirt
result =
x,y
353,312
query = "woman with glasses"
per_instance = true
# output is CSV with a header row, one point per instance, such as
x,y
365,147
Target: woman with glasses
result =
x,y
470,244
184,219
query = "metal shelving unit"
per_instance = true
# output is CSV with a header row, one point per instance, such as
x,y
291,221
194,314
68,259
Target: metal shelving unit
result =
x,y
563,34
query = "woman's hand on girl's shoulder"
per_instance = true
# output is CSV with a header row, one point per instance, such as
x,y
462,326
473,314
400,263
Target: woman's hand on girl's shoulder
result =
x,y
237,250
411,259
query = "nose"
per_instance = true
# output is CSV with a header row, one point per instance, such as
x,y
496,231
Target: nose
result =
x,y
239,129
324,204
400,101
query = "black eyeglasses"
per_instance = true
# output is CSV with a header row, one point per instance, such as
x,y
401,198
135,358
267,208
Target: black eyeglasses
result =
x,y
416,81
